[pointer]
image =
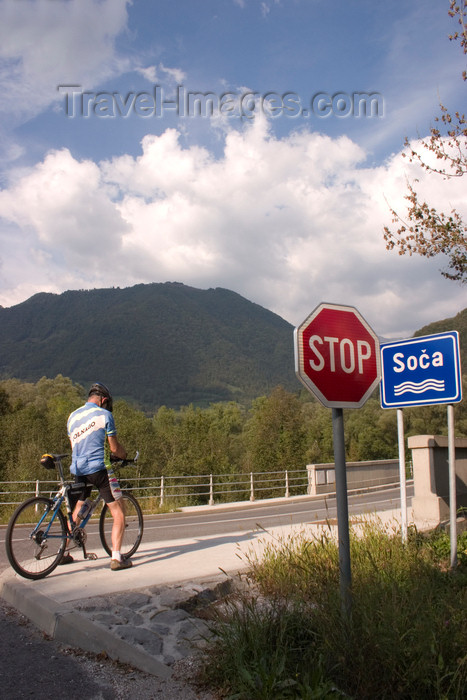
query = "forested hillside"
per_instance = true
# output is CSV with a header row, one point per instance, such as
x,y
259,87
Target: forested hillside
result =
x,y
155,344
281,430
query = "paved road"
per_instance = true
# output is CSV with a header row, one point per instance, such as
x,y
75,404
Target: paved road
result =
x,y
33,666
209,522
213,522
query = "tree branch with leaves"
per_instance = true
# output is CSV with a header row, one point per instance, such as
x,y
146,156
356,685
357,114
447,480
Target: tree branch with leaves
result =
x,y
424,230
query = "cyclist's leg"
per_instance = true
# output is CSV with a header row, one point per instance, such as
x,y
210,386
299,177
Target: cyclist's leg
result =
x,y
118,527
134,526
112,498
81,495
118,562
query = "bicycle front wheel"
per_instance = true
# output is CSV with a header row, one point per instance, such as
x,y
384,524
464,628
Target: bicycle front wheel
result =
x,y
36,538
133,526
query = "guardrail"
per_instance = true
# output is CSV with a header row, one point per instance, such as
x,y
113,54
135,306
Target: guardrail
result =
x,y
156,493
164,490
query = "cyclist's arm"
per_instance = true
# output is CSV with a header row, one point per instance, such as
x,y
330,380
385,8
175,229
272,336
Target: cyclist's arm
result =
x,y
116,448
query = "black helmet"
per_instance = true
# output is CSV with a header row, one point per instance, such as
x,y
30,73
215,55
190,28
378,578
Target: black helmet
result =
x,y
99,389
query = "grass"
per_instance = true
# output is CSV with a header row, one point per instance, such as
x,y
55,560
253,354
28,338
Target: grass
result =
x,y
285,635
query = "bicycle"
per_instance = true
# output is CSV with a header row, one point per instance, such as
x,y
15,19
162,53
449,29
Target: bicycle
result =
x,y
38,531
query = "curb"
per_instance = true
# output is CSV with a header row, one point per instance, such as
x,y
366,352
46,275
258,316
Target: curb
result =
x,y
72,629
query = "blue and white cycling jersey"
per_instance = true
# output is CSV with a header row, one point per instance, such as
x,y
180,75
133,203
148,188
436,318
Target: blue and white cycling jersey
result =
x,y
88,428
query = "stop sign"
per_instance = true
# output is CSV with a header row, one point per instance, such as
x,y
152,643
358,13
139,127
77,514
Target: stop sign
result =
x,y
337,356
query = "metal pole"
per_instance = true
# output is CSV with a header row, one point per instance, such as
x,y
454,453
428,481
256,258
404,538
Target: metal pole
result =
x,y
452,486
211,491
342,509
161,502
287,492
252,488
402,478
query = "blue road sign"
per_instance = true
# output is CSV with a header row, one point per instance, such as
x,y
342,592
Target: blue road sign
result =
x,y
421,371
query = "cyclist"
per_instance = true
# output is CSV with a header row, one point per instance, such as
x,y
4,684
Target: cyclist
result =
x,y
93,434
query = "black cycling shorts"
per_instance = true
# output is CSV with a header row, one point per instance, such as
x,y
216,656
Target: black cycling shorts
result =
x,y
99,480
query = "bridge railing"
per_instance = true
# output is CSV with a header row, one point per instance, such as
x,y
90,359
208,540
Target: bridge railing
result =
x,y
169,492
176,491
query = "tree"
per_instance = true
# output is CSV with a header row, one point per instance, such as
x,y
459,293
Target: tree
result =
x,y
35,423
371,433
5,406
424,230
318,426
135,430
275,433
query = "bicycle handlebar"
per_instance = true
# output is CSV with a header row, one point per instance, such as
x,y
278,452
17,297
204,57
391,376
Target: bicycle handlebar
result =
x,y
125,462
56,459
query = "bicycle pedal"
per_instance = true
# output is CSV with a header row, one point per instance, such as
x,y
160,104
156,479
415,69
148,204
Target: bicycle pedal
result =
x,y
91,555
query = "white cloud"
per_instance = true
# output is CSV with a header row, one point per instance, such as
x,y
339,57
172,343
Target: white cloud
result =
x,y
173,76
287,223
64,200
44,44
149,73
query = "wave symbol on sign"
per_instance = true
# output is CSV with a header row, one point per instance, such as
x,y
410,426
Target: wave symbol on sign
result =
x,y
420,388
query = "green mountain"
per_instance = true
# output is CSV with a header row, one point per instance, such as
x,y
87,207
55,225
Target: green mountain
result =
x,y
155,344
457,323
159,344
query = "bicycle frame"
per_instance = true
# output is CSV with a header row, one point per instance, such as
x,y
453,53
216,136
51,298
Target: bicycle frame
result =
x,y
63,496
57,503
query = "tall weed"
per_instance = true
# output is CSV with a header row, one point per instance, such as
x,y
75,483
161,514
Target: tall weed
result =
x,y
405,637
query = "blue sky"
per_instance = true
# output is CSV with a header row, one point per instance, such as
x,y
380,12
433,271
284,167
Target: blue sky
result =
x,y
284,204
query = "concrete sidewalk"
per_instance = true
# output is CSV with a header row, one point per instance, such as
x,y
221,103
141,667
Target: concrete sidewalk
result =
x,y
138,616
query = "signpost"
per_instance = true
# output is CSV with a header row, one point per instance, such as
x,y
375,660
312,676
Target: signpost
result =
x,y
424,371
337,358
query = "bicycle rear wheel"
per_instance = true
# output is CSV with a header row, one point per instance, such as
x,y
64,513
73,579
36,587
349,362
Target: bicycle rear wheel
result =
x,y
36,538
133,526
